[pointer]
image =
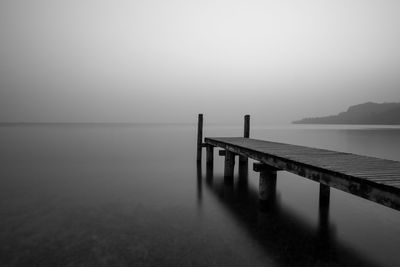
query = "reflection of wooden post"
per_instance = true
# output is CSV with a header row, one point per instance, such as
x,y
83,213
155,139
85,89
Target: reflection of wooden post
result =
x,y
243,171
267,182
199,183
199,136
210,155
324,196
209,174
243,181
229,164
246,134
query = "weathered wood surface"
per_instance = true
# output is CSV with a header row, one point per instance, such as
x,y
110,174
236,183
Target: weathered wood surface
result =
x,y
368,177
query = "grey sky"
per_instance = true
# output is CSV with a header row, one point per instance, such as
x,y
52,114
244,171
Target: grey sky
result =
x,y
166,61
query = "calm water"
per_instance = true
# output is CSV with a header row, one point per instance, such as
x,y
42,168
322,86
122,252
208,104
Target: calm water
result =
x,y
130,195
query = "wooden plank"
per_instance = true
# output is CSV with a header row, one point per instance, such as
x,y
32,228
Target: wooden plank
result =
x,y
379,175
370,172
384,180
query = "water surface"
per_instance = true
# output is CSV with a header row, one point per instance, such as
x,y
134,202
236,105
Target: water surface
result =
x,y
132,195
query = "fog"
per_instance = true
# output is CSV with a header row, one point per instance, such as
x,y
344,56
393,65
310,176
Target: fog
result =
x,y
165,61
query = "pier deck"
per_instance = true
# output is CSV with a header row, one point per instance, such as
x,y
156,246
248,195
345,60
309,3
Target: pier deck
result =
x,y
372,178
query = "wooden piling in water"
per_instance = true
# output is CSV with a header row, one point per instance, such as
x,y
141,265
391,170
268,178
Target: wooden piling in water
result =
x,y
267,182
210,155
246,134
229,164
199,137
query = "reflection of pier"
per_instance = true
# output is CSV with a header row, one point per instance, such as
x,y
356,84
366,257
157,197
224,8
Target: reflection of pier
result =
x,y
285,237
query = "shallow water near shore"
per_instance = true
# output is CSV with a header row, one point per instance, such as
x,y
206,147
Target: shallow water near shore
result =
x,y
132,195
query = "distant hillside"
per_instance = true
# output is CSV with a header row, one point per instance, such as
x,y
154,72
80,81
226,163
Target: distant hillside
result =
x,y
367,113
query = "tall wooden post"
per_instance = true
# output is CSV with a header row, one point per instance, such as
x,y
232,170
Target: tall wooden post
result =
x,y
246,134
199,137
246,126
229,164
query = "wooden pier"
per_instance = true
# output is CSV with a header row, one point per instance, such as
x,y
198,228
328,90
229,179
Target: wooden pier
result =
x,y
371,178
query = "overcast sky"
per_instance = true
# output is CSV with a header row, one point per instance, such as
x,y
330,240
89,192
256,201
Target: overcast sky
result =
x,y
166,61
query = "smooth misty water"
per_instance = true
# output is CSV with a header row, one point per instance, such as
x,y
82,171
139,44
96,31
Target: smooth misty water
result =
x,y
131,195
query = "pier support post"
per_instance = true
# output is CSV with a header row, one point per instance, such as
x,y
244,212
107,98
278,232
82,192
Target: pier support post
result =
x,y
209,174
210,155
267,185
229,164
243,161
199,137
